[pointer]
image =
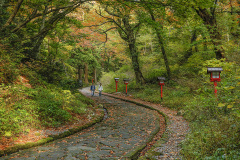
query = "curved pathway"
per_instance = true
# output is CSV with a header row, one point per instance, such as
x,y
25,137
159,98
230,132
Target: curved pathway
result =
x,y
126,127
168,146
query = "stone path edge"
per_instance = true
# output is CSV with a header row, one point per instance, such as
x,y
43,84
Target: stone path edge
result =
x,y
51,138
134,154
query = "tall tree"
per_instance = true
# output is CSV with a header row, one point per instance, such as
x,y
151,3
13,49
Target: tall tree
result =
x,y
158,11
122,15
207,12
43,16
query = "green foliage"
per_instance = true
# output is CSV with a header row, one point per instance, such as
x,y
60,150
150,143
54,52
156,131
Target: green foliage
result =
x,y
214,121
69,84
108,81
153,74
213,134
17,113
50,107
22,108
55,106
8,69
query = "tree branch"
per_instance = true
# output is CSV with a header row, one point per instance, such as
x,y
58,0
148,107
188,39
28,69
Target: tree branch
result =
x,y
99,24
111,19
10,19
32,16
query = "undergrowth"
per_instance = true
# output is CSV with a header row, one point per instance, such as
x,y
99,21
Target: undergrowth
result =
x,y
23,108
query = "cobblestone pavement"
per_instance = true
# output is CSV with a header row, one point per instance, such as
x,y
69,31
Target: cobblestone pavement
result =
x,y
126,127
176,130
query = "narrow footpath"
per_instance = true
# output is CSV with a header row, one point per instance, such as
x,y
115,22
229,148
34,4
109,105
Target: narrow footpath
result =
x,y
126,127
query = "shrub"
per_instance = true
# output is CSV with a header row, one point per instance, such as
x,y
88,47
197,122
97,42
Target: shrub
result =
x,y
8,69
153,74
70,84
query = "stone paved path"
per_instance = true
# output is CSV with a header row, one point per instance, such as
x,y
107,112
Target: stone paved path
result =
x,y
177,128
126,127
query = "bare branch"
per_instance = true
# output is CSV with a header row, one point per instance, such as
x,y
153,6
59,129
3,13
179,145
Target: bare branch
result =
x,y
54,20
112,20
106,36
110,29
10,19
99,24
32,16
111,13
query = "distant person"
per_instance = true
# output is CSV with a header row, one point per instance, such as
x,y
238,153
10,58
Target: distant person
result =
x,y
92,89
100,88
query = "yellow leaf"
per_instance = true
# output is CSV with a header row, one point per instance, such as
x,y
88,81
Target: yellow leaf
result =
x,y
221,105
69,48
229,106
228,88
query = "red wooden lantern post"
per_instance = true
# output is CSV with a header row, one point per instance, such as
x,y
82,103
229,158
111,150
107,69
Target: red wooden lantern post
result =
x,y
215,76
126,82
161,83
116,81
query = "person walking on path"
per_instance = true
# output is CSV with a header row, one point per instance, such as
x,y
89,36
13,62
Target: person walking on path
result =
x,y
92,89
100,88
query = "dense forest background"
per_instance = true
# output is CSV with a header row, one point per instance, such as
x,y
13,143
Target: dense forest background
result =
x,y
49,48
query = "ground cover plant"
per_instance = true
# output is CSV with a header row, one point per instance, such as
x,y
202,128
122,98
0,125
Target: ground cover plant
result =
x,y
26,106
23,108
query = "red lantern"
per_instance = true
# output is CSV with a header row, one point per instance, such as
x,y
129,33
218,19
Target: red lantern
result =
x,y
214,73
215,76
161,83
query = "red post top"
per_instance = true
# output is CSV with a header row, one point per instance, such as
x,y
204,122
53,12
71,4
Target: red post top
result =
x,y
126,81
116,79
161,80
161,83
214,73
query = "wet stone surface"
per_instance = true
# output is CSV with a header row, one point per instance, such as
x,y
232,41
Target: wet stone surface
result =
x,y
126,127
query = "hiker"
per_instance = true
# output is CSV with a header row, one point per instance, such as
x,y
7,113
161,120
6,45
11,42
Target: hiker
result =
x,y
100,88
92,89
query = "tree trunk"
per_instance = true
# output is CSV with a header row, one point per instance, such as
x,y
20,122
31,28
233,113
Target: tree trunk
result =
x,y
160,41
211,24
86,73
131,40
128,32
80,73
35,50
135,64
190,50
39,40
95,75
